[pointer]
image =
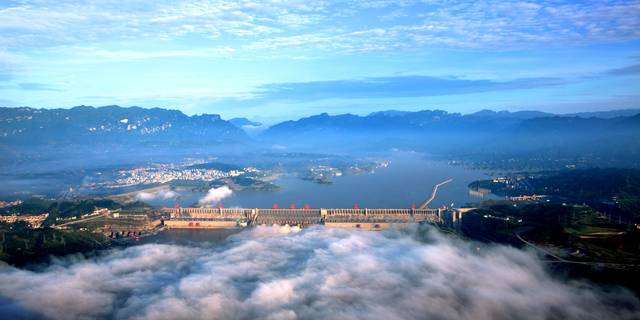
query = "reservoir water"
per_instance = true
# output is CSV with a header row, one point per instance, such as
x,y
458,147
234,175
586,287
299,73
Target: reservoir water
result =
x,y
408,179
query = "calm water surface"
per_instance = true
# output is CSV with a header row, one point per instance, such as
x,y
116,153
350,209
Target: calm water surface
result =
x,y
408,179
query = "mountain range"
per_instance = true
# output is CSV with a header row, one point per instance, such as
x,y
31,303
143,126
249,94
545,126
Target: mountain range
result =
x,y
437,123
607,139
484,134
113,125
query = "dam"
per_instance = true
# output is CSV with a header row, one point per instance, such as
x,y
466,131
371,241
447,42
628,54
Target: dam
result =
x,y
365,218
358,218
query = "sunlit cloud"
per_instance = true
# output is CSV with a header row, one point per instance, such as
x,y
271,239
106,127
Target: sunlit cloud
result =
x,y
317,273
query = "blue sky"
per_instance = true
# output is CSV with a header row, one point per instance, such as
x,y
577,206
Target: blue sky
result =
x,y
275,60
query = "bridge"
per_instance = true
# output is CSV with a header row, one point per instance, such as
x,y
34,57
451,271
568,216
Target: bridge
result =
x,y
365,218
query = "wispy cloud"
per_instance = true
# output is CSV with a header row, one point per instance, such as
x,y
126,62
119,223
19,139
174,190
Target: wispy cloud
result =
x,y
393,87
5,75
92,54
333,26
34,86
135,47
624,71
9,65
28,86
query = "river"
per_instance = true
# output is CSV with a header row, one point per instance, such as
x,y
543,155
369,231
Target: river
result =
x,y
408,179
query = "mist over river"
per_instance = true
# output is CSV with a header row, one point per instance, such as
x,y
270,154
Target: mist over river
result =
x,y
271,272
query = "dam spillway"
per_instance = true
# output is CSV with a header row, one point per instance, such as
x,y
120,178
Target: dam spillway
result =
x,y
362,218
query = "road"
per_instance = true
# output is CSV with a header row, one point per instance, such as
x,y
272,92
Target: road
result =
x,y
434,192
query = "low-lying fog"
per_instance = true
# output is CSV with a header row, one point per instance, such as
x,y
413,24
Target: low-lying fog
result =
x,y
319,273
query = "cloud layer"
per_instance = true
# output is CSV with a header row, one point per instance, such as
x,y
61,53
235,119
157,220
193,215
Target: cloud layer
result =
x,y
318,273
351,26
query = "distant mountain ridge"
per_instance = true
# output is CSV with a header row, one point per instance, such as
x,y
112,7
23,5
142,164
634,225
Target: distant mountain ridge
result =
x,y
525,114
109,132
485,134
436,119
113,125
606,114
439,119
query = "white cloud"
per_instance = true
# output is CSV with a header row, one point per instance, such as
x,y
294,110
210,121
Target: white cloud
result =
x,y
215,195
163,194
318,273
331,25
92,55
